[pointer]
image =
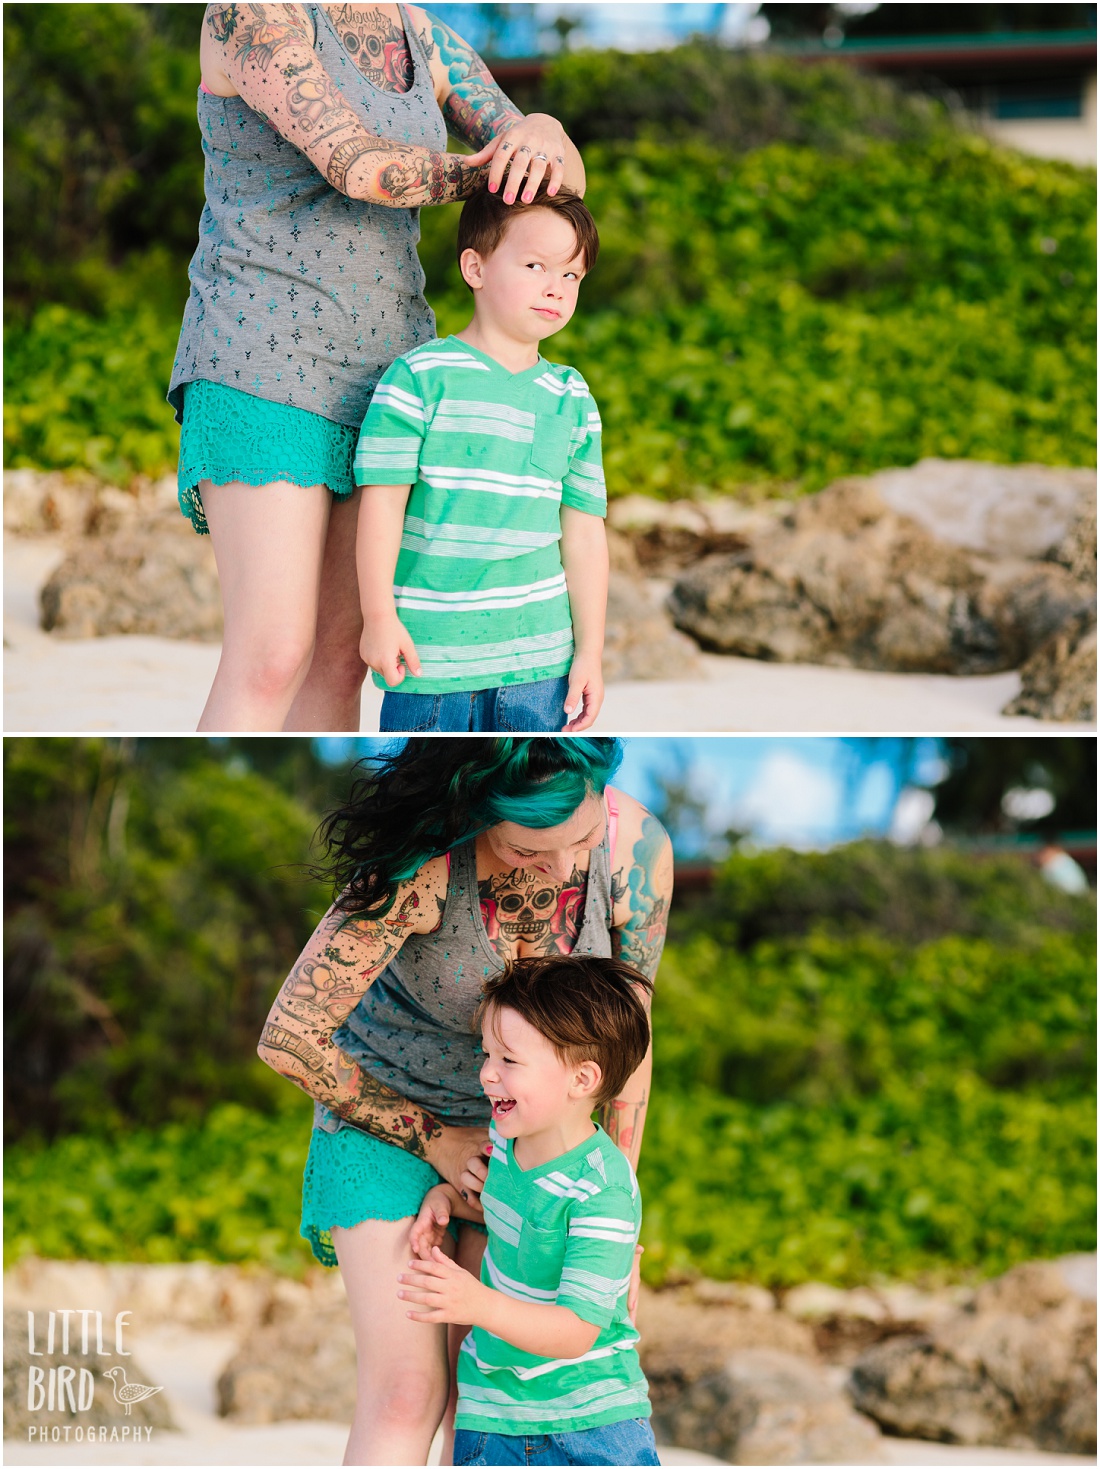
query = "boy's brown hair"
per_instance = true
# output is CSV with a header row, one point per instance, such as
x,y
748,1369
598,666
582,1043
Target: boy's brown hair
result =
x,y
485,217
588,1008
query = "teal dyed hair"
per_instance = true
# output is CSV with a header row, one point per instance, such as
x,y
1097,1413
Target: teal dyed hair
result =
x,y
432,794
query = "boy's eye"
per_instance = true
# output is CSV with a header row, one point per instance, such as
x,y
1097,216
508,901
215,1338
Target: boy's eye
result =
x,y
534,265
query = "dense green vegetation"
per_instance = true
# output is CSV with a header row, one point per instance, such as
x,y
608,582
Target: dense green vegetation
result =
x,y
804,272
868,1061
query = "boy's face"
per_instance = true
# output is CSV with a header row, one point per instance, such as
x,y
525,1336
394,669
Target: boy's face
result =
x,y
530,1086
528,286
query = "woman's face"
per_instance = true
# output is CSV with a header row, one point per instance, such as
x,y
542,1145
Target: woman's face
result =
x,y
550,849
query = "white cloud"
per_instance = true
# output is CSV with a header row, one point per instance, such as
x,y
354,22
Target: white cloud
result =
x,y
790,802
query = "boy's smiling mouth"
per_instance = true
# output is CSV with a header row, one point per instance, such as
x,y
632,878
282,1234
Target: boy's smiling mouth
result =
x,y
502,1105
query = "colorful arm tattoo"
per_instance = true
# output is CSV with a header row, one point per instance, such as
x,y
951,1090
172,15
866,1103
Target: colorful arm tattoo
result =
x,y
329,980
649,884
475,108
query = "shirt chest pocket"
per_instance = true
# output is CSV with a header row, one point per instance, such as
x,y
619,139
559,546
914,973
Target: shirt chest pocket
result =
x,y
550,449
541,1257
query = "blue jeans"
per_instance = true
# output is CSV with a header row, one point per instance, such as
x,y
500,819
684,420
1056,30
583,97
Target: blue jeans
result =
x,y
519,708
628,1442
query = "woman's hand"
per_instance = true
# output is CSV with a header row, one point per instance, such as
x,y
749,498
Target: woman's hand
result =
x,y
461,1156
535,148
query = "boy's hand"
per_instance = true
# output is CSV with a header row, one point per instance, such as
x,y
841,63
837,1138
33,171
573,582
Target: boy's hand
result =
x,y
585,696
441,1290
430,1224
387,648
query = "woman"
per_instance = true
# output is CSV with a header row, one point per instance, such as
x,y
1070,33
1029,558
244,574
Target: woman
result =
x,y
324,129
452,857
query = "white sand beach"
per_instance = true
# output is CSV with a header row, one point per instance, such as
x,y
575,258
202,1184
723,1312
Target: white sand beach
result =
x,y
188,1362
158,685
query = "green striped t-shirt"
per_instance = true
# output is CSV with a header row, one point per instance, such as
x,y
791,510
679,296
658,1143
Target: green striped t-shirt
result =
x,y
491,456
561,1234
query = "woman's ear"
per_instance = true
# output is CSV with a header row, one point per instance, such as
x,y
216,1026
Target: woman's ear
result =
x,y
586,1080
469,263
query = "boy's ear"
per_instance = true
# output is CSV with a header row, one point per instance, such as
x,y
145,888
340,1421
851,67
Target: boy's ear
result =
x,y
469,263
586,1079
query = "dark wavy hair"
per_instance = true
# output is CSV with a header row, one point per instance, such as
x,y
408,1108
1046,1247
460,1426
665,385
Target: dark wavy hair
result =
x,y
425,798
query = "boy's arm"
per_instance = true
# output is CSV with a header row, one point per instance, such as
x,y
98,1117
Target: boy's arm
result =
x,y
584,560
442,1291
385,645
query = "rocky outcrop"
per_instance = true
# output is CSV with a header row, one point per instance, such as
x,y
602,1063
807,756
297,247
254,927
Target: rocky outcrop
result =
x,y
1058,681
157,577
641,641
769,1407
845,579
298,1365
1018,1365
732,1376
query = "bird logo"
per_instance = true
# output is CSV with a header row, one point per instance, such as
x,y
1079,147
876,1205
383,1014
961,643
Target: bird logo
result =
x,y
129,1393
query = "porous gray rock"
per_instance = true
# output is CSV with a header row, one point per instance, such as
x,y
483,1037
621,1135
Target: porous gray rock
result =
x,y
769,1407
1058,681
300,1365
156,577
844,579
1013,511
1017,1366
641,641
98,1407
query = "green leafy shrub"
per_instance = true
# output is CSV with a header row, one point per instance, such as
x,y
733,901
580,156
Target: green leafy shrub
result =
x,y
153,909
227,1189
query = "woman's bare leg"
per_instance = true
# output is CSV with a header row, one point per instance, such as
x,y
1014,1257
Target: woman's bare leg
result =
x,y
329,697
269,543
401,1372
471,1247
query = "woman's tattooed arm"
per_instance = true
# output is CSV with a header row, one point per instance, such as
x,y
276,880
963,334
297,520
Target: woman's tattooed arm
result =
x,y
338,966
643,888
473,104
646,886
266,52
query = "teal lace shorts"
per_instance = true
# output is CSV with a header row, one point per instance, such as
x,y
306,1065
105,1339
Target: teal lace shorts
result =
x,y
351,1176
228,436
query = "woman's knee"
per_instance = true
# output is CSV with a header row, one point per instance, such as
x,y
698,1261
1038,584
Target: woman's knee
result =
x,y
270,667
400,1396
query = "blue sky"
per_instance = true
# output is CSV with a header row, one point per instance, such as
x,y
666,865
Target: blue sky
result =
x,y
784,791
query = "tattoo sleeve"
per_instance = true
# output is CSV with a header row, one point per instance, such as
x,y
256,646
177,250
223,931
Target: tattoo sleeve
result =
x,y
649,884
475,108
267,51
338,966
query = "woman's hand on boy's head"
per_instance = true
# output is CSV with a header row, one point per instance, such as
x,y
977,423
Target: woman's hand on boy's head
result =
x,y
440,1290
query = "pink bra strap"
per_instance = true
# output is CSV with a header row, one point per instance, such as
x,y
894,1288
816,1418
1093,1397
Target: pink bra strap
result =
x,y
207,90
612,823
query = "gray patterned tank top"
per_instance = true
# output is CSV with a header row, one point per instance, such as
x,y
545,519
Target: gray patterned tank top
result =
x,y
411,1029
299,294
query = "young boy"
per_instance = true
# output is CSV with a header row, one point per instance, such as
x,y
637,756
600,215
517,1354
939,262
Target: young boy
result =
x,y
481,551
549,1368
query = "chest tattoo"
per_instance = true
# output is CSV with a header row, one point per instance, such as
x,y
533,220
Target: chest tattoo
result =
x,y
527,915
377,45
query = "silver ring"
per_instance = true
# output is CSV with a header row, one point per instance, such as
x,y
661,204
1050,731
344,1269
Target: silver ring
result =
x,y
542,156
